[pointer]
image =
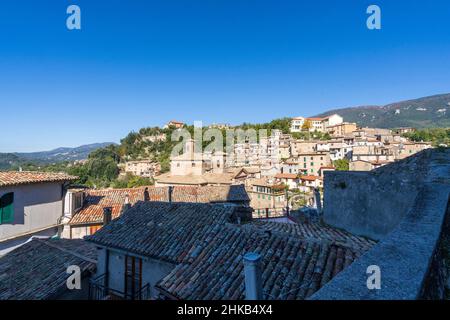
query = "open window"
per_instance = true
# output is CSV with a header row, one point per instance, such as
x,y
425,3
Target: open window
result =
x,y
7,208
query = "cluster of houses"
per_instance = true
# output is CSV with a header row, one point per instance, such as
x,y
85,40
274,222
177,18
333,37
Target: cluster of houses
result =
x,y
179,242
175,239
277,162
156,243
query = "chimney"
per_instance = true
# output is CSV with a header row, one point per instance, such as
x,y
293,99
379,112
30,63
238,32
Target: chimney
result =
x,y
146,195
252,275
170,190
318,201
107,215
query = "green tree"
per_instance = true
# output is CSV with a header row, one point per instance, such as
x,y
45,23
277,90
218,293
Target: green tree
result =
x,y
342,164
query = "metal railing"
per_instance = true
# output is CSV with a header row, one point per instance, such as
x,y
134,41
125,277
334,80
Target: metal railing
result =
x,y
99,291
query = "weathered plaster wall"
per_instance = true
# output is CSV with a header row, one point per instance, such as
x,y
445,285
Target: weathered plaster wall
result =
x,y
36,206
152,270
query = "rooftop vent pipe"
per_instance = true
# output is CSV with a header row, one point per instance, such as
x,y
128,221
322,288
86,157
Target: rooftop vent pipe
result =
x,y
252,275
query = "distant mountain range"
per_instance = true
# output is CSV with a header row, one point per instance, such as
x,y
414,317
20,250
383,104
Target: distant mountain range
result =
x,y
8,160
427,112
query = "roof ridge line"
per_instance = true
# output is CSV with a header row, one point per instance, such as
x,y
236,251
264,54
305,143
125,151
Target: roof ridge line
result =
x,y
67,251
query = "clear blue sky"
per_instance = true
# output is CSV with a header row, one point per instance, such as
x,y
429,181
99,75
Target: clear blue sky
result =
x,y
142,63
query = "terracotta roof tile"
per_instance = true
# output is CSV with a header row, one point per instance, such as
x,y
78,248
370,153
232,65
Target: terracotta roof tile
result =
x,y
309,178
162,230
286,176
292,268
96,200
318,231
37,269
12,178
208,251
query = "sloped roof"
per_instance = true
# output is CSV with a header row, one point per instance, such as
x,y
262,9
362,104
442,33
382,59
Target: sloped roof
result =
x,y
96,200
318,231
162,230
13,178
38,269
292,268
207,251
192,179
310,178
286,176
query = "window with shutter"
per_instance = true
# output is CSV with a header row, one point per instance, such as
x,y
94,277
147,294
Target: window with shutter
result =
x,y
7,208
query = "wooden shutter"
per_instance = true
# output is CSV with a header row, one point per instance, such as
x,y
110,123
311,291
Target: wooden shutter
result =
x,y
7,208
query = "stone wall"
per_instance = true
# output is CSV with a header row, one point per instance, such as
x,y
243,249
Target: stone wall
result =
x,y
414,257
372,203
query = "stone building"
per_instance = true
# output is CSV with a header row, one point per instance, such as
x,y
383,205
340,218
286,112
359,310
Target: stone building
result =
x,y
143,168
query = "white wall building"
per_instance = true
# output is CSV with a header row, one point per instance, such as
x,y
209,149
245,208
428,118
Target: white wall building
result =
x,y
31,205
297,124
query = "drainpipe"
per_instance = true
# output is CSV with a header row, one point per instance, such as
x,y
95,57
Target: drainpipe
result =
x,y
252,275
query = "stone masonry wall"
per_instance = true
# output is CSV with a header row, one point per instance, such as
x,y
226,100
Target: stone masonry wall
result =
x,y
413,258
372,203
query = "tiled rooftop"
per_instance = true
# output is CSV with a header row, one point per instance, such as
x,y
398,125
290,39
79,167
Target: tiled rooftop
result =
x,y
96,200
292,268
207,251
317,231
286,176
162,230
12,178
37,269
193,179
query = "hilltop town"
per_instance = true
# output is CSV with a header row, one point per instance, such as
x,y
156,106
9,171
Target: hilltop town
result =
x,y
276,219
281,171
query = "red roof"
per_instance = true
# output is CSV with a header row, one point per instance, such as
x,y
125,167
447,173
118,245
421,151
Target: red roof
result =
x,y
286,176
310,178
96,200
13,178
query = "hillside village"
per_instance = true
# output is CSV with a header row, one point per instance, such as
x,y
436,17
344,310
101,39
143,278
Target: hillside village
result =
x,y
269,208
207,240
280,172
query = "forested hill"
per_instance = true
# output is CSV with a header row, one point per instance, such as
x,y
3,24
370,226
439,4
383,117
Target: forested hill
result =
x,y
427,112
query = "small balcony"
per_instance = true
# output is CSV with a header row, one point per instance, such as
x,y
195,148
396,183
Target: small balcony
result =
x,y
98,291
